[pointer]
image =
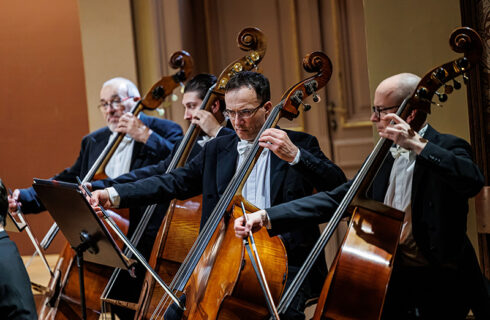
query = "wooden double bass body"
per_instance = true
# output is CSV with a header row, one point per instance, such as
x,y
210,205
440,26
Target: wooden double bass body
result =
x,y
63,299
356,285
180,227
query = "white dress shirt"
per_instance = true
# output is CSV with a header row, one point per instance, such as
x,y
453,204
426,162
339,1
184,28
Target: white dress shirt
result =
x,y
120,162
398,195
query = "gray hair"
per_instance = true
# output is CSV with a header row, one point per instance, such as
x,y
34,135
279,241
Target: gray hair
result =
x,y
126,88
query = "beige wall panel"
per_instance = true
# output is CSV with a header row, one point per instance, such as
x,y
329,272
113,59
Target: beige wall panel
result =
x,y
271,18
348,151
108,48
412,36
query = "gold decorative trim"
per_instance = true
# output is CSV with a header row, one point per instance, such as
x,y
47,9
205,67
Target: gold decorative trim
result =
x,y
297,55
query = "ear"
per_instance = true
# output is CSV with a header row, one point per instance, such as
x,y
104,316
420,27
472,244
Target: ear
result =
x,y
412,116
215,107
267,107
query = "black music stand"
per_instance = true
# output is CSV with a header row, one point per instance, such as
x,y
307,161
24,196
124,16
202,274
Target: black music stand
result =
x,y
81,226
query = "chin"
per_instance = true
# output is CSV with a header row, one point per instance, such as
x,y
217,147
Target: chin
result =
x,y
112,126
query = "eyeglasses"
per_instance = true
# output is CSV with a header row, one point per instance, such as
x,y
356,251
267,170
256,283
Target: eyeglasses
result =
x,y
380,110
114,103
244,113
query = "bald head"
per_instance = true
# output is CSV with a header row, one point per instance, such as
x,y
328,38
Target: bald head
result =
x,y
396,88
390,94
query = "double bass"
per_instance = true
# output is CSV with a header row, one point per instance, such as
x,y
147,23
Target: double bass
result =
x,y
180,226
217,277
62,301
356,285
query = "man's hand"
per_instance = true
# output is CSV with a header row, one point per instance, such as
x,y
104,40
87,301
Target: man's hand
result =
x,y
14,203
207,122
255,222
134,127
401,134
100,197
278,142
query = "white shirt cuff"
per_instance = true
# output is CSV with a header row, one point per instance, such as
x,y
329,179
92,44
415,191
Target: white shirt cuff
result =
x,y
296,159
268,223
114,197
217,132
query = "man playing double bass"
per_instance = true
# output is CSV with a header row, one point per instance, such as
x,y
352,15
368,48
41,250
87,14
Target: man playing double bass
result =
x,y
148,140
430,176
212,124
290,166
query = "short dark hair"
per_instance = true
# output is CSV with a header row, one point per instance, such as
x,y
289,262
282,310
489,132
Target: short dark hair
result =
x,y
200,84
252,80
4,203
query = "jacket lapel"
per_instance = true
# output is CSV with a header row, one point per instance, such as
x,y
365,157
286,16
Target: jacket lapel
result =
x,y
419,170
382,179
277,175
227,156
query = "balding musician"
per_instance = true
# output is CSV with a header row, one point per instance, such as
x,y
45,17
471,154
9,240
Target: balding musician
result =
x,y
430,176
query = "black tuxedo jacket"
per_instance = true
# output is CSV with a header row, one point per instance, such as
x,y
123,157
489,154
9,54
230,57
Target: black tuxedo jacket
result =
x,y
16,300
154,169
159,145
212,169
445,177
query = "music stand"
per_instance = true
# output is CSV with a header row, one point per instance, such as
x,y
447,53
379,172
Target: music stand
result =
x,y
12,225
81,226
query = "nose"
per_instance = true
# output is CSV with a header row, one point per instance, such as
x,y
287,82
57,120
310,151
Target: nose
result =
x,y
187,115
237,120
374,117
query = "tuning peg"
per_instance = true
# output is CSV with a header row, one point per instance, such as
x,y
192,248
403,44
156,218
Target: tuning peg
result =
x,y
463,63
422,93
465,79
182,87
440,74
158,92
456,84
448,89
306,107
316,98
297,99
442,96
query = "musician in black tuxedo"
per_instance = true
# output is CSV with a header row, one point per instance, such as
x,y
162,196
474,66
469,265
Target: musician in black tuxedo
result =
x,y
430,176
16,300
148,140
213,124
291,166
